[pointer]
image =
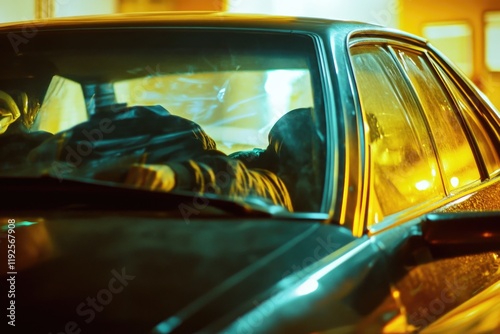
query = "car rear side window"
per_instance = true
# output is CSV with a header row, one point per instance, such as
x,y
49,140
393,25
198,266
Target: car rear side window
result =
x,y
404,167
456,156
479,130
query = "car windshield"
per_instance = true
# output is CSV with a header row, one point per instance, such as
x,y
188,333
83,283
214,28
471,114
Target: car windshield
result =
x,y
235,114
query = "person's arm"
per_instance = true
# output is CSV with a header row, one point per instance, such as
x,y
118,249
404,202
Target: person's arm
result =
x,y
152,177
211,174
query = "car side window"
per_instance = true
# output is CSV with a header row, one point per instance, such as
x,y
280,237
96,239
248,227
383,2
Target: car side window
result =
x,y
479,130
454,151
404,169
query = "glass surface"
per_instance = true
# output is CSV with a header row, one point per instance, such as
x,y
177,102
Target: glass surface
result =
x,y
236,115
455,154
479,132
404,167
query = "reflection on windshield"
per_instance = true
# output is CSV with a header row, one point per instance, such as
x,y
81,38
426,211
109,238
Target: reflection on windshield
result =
x,y
234,122
236,108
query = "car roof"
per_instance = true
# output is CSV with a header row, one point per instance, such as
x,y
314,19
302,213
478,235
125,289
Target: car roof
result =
x,y
206,19
182,18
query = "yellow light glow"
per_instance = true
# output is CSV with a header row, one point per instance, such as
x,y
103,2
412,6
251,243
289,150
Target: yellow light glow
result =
x,y
455,39
454,182
423,185
492,33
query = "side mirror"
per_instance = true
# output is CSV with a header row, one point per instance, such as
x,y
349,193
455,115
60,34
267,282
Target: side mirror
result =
x,y
462,232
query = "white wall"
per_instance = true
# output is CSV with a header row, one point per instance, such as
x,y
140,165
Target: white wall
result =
x,y
18,10
21,10
383,12
83,7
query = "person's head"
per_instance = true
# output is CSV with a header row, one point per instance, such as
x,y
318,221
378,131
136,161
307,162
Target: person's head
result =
x,y
291,137
296,143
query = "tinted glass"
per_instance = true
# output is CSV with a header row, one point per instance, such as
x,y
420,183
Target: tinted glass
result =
x,y
455,154
109,98
481,136
405,170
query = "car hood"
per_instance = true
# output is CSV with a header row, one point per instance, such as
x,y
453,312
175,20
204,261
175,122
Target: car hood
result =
x,y
103,272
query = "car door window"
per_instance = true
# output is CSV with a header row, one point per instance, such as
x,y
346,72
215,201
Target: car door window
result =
x,y
455,154
404,169
479,130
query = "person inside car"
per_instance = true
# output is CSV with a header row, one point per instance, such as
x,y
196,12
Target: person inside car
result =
x,y
296,154
270,173
150,148
18,112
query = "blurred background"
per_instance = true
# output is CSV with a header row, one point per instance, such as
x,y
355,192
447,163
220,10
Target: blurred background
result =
x,y
467,31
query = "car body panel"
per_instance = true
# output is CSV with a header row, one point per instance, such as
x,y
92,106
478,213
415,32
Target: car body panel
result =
x,y
182,265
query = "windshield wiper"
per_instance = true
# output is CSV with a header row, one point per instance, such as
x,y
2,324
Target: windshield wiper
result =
x,y
47,192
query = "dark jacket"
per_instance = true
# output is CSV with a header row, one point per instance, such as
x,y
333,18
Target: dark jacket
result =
x,y
106,145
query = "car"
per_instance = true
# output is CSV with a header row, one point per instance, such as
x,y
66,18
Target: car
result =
x,y
215,172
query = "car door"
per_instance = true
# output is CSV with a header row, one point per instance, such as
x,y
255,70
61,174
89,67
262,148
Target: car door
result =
x,y
432,145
